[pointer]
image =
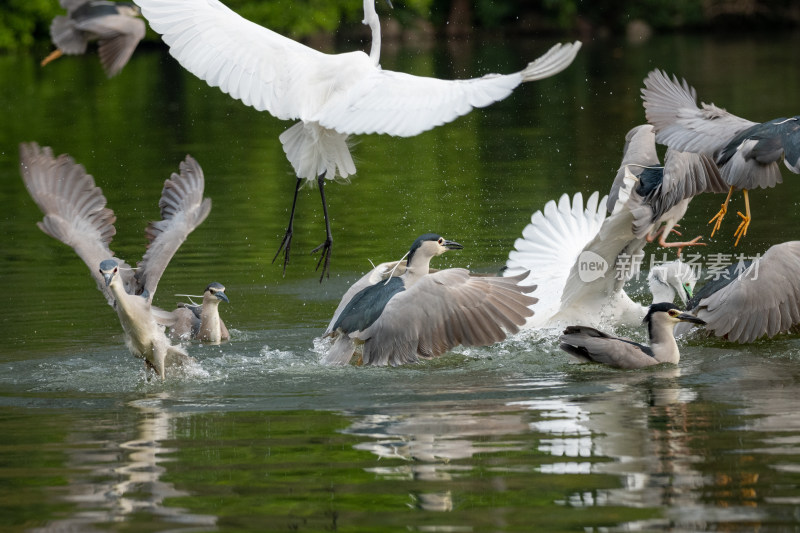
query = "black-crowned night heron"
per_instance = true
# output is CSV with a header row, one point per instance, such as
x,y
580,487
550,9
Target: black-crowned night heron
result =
x,y
590,345
402,312
115,26
581,260
75,213
661,194
752,299
747,153
201,321
333,95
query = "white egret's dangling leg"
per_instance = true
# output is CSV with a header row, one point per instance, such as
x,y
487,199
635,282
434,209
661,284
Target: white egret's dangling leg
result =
x,y
325,247
286,243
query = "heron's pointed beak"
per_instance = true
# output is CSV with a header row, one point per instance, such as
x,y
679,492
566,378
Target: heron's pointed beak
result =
x,y
222,296
689,292
452,245
686,317
107,276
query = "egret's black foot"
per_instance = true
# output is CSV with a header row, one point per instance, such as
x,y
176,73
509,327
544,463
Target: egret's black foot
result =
x,y
325,258
286,246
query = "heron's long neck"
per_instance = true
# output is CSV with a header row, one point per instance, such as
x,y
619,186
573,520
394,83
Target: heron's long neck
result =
x,y
371,20
209,321
662,341
418,267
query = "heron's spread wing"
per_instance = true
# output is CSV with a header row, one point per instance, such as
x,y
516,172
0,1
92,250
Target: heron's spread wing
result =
x,y
118,37
550,246
378,274
639,152
261,68
404,105
763,300
182,210
74,209
444,310
588,344
671,107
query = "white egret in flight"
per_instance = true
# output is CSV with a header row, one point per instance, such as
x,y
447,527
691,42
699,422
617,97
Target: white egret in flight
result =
x,y
333,95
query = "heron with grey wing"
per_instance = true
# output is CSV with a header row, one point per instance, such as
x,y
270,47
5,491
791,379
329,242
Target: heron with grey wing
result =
x,y
116,27
404,311
587,344
193,321
75,213
747,153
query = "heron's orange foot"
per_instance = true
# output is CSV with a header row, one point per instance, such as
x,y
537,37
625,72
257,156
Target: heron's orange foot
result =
x,y
741,231
717,220
676,232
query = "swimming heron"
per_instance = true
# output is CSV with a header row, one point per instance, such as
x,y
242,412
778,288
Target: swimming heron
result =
x,y
747,153
333,95
590,345
115,26
75,213
753,298
404,311
662,194
192,321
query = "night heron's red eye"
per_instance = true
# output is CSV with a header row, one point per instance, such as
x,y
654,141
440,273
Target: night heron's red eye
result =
x,y
441,241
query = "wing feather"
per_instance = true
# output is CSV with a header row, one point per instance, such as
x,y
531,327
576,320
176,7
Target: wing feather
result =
x,y
550,246
183,208
441,311
74,208
763,301
671,107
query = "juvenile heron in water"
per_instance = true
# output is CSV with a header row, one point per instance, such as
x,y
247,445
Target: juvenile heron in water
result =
x,y
199,321
752,299
75,213
747,153
590,345
115,26
402,312
333,95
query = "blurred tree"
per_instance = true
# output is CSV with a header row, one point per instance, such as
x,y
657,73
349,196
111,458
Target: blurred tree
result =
x,y
23,22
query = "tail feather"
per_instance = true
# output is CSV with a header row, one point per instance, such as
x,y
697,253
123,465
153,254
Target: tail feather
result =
x,y
313,150
341,352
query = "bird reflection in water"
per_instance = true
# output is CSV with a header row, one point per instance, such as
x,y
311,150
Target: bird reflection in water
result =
x,y
115,480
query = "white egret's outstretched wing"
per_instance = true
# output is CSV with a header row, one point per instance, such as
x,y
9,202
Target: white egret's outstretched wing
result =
x,y
74,209
400,104
443,310
182,210
550,246
347,93
763,300
671,107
